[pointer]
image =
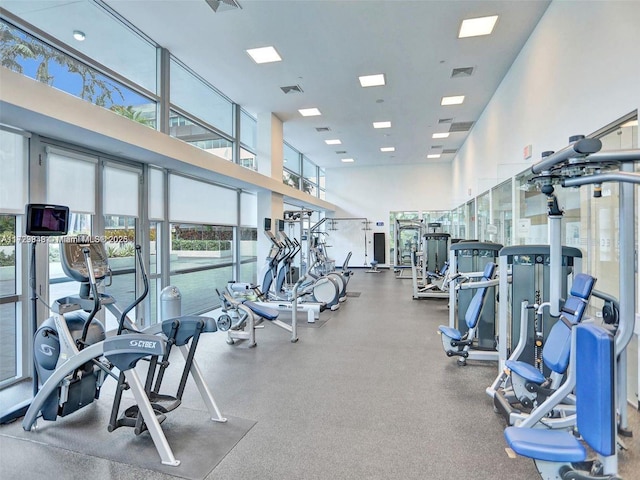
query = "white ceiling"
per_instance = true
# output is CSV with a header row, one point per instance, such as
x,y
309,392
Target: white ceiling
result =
x,y
325,45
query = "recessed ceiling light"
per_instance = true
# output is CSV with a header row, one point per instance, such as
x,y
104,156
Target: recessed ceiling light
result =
x,y
381,124
347,160
372,80
309,112
454,100
387,149
264,54
79,35
433,155
333,141
440,135
474,27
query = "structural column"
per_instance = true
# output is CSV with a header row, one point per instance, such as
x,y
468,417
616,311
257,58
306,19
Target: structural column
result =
x,y
270,160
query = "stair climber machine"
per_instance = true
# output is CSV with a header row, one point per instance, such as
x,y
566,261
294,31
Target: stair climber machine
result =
x,y
73,357
183,332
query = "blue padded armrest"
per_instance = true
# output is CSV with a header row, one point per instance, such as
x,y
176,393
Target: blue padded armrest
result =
x,y
550,445
452,333
264,312
526,371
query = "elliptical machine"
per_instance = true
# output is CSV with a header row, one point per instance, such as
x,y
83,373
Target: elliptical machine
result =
x,y
323,289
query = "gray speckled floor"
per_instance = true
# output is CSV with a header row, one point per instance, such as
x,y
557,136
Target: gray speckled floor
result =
x,y
369,395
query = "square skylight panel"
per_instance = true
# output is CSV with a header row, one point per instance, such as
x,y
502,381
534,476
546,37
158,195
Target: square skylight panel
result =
x,y
264,54
453,100
309,112
475,27
333,141
376,80
381,124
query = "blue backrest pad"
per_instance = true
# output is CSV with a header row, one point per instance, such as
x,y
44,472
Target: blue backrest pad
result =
x,y
575,305
573,309
595,393
474,309
557,348
489,270
582,285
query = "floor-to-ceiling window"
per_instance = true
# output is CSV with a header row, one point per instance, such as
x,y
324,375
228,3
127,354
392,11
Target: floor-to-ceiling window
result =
x,y
13,194
202,217
502,213
248,238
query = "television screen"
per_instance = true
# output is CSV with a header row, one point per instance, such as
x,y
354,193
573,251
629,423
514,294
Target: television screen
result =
x,y
47,220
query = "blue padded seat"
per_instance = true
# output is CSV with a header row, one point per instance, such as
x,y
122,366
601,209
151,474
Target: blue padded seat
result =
x,y
452,333
550,445
264,312
526,371
595,406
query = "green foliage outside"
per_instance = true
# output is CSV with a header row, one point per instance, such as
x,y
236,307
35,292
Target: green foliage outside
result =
x,y
7,230
201,245
126,250
16,47
7,260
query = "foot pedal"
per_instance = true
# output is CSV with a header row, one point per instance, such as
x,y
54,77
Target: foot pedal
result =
x,y
130,419
164,403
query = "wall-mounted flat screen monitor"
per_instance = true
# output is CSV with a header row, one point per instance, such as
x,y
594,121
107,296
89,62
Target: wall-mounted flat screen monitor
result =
x,y
47,220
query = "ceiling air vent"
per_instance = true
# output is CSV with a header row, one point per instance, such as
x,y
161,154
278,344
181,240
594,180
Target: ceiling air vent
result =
x,y
323,129
436,146
460,126
449,150
461,72
223,5
445,120
340,152
292,89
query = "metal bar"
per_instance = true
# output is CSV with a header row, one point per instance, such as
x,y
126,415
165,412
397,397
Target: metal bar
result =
x,y
627,288
555,264
205,393
622,177
629,155
149,416
584,146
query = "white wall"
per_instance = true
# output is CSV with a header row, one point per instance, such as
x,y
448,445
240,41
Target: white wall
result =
x,y
578,71
373,192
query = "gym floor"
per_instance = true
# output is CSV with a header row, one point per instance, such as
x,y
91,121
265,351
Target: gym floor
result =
x,y
370,394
